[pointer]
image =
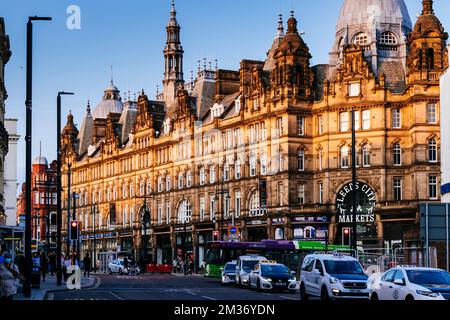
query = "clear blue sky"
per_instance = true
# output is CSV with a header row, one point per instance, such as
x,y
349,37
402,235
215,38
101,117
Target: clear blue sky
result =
x,y
130,35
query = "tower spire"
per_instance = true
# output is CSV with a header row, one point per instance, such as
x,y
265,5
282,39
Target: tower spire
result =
x,y
173,56
112,78
427,7
88,108
280,28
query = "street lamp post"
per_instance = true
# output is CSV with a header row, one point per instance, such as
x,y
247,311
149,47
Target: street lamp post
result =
x,y
354,193
68,208
28,155
75,244
146,219
94,213
59,189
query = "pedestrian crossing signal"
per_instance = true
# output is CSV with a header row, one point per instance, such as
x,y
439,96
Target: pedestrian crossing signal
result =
x,y
215,235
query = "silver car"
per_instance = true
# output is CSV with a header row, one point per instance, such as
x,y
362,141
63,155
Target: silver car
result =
x,y
228,273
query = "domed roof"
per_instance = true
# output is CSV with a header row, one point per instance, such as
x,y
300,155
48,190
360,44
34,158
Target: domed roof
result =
x,y
356,12
111,103
39,160
427,22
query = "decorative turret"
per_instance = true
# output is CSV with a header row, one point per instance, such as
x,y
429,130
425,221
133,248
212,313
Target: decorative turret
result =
x,y
428,57
173,56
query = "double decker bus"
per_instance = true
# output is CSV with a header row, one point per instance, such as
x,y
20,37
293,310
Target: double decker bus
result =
x,y
288,252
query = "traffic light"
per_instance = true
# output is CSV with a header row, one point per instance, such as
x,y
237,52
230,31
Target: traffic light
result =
x,y
215,235
346,236
74,230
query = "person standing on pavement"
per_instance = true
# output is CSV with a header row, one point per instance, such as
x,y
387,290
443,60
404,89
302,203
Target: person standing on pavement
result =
x,y
174,265
9,274
67,264
87,265
52,262
44,265
125,263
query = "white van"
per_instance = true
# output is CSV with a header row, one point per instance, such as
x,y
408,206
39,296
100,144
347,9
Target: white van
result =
x,y
332,276
244,267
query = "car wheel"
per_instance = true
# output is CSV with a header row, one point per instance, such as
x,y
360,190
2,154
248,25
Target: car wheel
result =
x,y
120,272
258,285
303,295
109,271
409,298
324,294
374,297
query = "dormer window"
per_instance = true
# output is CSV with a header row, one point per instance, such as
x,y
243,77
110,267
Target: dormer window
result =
x,y
166,126
354,89
237,105
217,110
361,39
388,38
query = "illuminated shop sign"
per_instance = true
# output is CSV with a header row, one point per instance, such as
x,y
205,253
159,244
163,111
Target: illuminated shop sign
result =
x,y
365,203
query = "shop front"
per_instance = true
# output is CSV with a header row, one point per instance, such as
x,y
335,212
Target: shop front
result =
x,y
163,247
126,243
256,230
309,227
277,230
183,241
204,235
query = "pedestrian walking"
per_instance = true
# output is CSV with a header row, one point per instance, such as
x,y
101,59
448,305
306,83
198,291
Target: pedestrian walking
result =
x,y
87,265
182,267
9,275
66,265
174,265
52,263
44,265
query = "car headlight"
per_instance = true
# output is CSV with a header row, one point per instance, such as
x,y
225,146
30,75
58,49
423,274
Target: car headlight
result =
x,y
266,279
293,278
427,293
334,280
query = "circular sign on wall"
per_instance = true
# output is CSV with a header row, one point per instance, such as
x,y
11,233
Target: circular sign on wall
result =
x,y
365,203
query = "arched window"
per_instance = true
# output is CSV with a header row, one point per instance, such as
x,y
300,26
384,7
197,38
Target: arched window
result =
x,y
255,207
430,59
212,173
202,176
301,160
237,169
432,150
344,157
168,182
184,212
366,156
252,165
397,154
263,164
388,38
361,39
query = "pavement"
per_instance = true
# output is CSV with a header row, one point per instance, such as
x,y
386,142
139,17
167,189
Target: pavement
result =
x,y
49,287
166,287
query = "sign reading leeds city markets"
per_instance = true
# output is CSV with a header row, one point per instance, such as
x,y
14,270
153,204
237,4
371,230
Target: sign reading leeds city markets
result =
x,y
365,203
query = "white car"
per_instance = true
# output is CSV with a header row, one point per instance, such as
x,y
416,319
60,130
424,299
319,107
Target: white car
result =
x,y
332,276
411,283
270,275
244,267
116,266
228,273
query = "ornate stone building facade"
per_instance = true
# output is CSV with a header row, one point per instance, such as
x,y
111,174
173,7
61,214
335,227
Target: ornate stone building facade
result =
x,y
5,54
269,144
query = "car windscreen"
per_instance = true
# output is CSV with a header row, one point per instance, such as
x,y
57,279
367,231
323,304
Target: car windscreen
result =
x,y
248,265
343,267
230,267
279,269
428,277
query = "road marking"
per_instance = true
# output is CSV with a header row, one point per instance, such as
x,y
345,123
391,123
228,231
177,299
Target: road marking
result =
x,y
288,298
116,296
190,292
209,298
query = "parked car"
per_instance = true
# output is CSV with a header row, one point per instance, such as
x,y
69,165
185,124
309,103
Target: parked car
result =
x,y
116,266
411,283
244,267
228,273
332,276
270,275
